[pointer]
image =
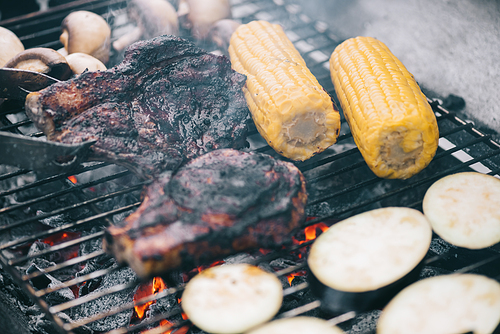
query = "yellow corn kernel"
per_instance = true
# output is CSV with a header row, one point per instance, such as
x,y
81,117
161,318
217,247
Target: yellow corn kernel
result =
x,y
290,109
390,119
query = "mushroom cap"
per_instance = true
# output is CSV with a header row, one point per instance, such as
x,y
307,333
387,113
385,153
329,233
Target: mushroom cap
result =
x,y
10,45
80,62
221,31
152,18
43,60
204,13
157,17
86,32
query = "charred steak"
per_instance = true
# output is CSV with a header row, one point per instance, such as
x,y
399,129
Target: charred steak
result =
x,y
167,102
220,203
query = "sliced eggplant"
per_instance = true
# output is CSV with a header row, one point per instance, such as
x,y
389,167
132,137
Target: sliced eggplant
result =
x,y
464,209
232,298
457,303
302,325
360,263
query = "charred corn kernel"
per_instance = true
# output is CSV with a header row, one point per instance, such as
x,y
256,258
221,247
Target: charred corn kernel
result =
x,y
290,109
390,119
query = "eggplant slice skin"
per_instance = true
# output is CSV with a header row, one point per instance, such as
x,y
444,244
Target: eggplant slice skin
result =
x,y
360,263
455,303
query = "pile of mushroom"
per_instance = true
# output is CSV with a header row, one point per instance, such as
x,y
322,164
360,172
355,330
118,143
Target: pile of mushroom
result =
x,y
86,36
88,33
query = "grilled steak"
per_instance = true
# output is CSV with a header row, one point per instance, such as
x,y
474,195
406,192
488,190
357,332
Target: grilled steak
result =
x,y
167,102
223,202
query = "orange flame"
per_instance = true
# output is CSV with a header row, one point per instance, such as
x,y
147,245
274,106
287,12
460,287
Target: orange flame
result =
x,y
144,290
73,179
186,276
291,276
310,232
165,322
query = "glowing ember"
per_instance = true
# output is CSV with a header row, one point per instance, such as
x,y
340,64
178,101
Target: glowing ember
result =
x,y
67,253
264,251
186,276
72,178
310,232
57,238
144,290
291,276
166,323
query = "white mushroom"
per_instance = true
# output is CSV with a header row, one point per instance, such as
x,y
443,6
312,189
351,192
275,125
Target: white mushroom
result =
x,y
86,32
200,15
152,18
80,62
43,60
10,45
221,31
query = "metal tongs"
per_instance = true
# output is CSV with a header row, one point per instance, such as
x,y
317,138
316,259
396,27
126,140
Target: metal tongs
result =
x,y
28,152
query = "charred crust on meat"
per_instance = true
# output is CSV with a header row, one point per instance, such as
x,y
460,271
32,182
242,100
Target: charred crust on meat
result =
x,y
222,202
165,104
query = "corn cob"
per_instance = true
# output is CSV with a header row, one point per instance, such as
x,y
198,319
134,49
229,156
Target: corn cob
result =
x,y
290,109
390,119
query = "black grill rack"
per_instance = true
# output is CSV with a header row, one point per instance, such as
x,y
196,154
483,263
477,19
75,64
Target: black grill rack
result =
x,y
37,207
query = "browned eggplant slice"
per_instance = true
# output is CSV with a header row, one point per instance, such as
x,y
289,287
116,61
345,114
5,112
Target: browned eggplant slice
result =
x,y
464,209
360,263
457,303
232,298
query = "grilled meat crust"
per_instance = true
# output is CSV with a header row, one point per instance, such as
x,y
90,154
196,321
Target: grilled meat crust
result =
x,y
221,203
167,102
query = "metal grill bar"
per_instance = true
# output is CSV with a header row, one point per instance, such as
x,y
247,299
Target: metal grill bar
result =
x,y
65,209
404,189
63,192
64,265
56,248
88,298
67,284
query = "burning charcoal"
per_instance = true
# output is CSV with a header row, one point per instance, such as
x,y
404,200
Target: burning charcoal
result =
x,y
430,271
300,297
41,325
364,323
49,281
60,255
53,221
239,258
107,302
93,245
155,307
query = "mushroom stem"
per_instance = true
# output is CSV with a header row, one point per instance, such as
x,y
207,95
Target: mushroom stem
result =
x,y
132,36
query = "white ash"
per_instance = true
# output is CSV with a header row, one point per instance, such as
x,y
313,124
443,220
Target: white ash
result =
x,y
364,323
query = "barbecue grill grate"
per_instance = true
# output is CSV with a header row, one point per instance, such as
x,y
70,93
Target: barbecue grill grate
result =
x,y
37,208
